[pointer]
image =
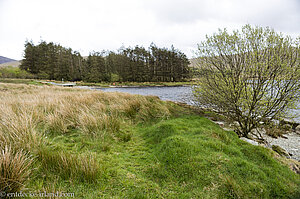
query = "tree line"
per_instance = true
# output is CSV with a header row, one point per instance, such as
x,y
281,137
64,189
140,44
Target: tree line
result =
x,y
138,64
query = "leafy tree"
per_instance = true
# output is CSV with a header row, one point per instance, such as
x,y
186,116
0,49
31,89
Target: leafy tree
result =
x,y
251,75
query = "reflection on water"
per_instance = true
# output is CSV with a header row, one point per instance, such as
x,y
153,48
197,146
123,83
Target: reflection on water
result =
x,y
172,93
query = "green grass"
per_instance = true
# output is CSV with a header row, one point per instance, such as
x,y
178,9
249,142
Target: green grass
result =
x,y
194,157
15,72
183,157
98,84
111,145
106,84
20,81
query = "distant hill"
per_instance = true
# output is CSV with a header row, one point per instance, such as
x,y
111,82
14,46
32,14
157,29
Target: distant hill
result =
x,y
12,63
5,60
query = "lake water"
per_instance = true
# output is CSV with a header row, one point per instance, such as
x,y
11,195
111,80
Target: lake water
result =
x,y
172,93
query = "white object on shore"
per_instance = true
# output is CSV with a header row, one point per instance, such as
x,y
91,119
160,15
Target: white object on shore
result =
x,y
63,84
249,141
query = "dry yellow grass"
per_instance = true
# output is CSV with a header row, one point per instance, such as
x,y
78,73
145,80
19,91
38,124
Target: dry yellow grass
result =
x,y
14,169
28,112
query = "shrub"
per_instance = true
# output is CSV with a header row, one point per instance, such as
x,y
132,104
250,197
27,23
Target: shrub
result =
x,y
251,75
15,72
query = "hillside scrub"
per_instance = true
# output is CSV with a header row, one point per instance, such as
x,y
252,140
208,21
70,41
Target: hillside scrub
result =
x,y
14,72
116,145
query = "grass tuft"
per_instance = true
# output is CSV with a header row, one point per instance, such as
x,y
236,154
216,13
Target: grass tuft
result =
x,y
15,169
83,168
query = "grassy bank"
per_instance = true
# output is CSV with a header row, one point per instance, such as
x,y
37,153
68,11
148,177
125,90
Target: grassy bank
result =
x,y
99,84
105,84
20,81
117,145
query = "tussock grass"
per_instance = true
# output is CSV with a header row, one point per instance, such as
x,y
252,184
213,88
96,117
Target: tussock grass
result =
x,y
14,169
18,129
61,110
84,168
33,117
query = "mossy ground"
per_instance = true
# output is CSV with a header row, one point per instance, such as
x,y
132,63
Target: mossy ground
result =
x,y
183,157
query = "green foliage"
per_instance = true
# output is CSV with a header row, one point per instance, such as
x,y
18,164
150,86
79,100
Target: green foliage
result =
x,y
21,81
96,69
114,77
15,72
251,75
52,61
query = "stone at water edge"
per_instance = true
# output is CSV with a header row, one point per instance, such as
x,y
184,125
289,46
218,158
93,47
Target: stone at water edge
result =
x,y
221,124
280,151
294,166
287,127
249,141
297,129
258,131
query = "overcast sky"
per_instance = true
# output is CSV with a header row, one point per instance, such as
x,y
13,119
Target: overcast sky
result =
x,y
87,25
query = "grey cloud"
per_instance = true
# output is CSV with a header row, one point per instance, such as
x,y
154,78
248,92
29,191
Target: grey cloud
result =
x,y
283,14
178,11
96,25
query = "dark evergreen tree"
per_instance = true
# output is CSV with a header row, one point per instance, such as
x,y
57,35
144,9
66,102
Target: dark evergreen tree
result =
x,y
28,63
52,61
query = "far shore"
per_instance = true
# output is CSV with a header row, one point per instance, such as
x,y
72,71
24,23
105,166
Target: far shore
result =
x,y
100,84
